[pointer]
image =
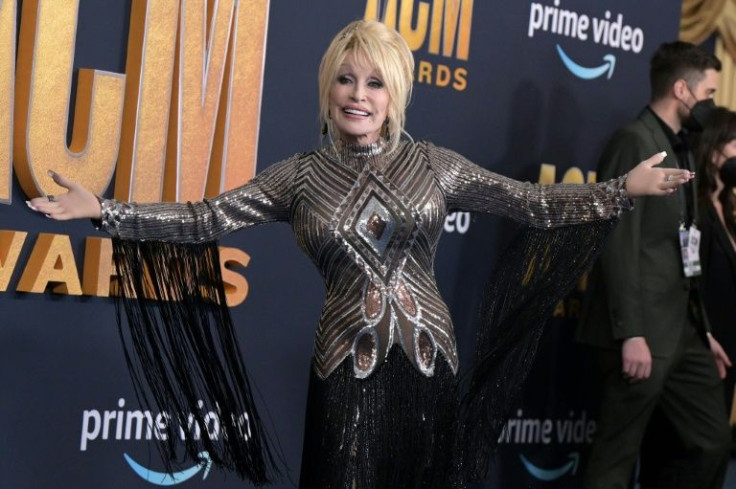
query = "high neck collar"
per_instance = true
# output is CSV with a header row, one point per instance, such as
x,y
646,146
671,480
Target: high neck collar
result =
x,y
355,150
357,156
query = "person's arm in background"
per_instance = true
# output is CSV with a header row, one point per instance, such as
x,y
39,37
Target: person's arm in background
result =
x,y
620,260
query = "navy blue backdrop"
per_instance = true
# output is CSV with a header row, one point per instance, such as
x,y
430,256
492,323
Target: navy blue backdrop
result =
x,y
540,86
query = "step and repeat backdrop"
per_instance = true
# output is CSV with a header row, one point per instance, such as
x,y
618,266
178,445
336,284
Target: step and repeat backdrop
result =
x,y
177,100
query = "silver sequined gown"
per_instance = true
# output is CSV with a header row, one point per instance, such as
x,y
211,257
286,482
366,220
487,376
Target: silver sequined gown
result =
x,y
371,223
370,220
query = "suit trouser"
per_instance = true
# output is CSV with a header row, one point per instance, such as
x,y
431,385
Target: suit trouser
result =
x,y
686,391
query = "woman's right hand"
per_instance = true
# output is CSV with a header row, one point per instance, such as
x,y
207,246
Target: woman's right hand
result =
x,y
76,203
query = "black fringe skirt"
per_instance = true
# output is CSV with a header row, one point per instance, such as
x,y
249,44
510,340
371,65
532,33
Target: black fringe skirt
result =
x,y
395,429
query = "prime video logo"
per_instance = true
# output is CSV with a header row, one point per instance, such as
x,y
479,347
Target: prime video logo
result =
x,y
523,431
126,425
606,31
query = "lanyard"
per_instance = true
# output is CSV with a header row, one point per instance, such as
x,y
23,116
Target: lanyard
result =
x,y
686,194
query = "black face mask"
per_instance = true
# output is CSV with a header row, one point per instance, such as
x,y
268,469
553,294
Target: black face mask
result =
x,y
699,115
727,172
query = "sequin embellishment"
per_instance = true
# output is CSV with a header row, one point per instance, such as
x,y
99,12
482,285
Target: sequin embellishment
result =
x,y
377,226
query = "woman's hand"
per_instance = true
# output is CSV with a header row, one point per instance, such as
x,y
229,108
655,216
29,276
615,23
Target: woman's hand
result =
x,y
722,360
77,203
646,179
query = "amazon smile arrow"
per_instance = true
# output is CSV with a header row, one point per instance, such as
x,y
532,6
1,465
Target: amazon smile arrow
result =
x,y
552,474
166,479
609,63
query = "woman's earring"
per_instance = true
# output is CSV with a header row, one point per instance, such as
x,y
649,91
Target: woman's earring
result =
x,y
325,129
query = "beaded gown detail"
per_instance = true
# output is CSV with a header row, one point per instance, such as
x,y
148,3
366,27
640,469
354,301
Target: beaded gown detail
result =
x,y
370,220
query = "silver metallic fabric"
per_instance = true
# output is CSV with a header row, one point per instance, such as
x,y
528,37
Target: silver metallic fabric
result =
x,y
371,223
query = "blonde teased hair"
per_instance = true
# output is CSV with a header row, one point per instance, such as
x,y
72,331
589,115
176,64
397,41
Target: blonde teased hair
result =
x,y
382,48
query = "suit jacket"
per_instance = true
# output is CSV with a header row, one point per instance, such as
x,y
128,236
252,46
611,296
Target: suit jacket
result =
x,y
637,286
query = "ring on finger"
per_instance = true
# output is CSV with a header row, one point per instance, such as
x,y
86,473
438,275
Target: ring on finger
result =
x,y
51,198
667,178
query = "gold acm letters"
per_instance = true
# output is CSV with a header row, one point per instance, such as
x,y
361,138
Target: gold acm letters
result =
x,y
181,124
8,11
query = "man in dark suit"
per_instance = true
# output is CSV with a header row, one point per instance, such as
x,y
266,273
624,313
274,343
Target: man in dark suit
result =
x,y
643,311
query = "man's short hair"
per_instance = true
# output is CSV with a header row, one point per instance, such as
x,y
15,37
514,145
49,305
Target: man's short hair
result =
x,y
679,60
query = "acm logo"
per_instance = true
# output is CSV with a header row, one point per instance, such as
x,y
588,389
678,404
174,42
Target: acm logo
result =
x,y
180,124
437,29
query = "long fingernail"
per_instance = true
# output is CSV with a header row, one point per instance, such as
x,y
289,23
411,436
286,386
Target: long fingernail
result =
x,y
663,154
28,203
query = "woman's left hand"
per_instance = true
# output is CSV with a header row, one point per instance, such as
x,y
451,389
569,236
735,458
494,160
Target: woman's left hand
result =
x,y
647,179
722,360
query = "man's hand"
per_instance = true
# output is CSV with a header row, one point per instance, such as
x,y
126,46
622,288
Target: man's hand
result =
x,y
636,359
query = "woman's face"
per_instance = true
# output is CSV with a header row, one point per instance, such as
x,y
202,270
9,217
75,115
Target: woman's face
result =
x,y
358,102
728,151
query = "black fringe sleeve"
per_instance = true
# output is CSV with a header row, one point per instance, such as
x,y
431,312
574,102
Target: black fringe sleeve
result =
x,y
184,359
